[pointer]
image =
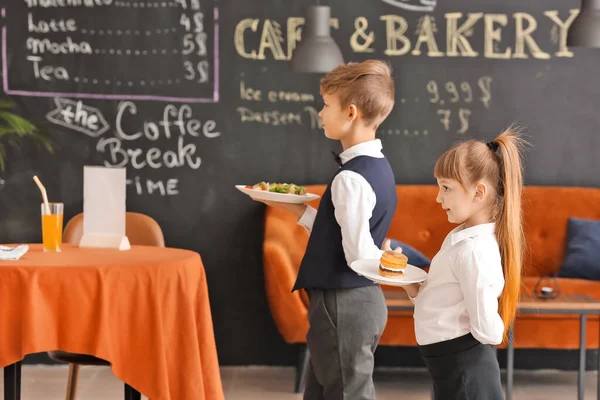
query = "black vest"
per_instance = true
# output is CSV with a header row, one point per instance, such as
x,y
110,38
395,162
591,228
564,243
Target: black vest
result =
x,y
324,264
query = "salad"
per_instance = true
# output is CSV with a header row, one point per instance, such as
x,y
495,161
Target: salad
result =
x,y
286,188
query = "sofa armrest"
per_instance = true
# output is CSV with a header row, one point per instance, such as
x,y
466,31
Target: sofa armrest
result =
x,y
288,309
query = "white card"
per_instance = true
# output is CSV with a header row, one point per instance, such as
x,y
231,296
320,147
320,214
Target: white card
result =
x,y
104,195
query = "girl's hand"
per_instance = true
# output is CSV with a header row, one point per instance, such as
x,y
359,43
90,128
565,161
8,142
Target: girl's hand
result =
x,y
412,290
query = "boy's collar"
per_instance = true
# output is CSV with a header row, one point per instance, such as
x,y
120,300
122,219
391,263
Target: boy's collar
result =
x,y
369,148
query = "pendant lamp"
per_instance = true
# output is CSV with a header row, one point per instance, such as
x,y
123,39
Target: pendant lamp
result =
x,y
585,30
317,52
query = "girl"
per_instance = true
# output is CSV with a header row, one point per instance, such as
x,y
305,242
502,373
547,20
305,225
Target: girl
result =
x,y
469,299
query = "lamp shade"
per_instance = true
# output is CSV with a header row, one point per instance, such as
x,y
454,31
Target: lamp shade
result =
x,y
585,30
317,52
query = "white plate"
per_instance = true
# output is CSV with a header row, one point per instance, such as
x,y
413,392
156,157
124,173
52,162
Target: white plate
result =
x,y
281,197
370,270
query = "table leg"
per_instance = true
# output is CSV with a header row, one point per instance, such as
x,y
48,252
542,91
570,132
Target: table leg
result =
x,y
598,374
510,362
12,381
131,393
581,374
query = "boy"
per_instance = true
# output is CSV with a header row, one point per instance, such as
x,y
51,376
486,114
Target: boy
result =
x,y
347,312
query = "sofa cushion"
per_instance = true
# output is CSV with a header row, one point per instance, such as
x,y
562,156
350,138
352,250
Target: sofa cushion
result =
x,y
582,253
415,257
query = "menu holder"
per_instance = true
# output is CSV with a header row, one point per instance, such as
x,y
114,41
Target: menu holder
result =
x,y
104,194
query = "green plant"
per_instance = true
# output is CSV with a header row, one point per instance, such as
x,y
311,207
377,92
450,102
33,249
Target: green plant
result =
x,y
14,128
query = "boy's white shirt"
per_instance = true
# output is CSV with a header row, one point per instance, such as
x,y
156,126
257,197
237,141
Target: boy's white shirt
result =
x,y
461,292
353,200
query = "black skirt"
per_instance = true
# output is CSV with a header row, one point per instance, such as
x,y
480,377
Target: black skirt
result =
x,y
463,369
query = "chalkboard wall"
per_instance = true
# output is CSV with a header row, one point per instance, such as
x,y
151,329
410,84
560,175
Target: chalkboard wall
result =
x,y
195,96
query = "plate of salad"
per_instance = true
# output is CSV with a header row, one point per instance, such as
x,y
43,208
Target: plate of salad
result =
x,y
282,192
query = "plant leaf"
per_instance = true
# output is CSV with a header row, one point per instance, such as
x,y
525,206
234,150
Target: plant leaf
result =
x,y
6,104
2,152
19,128
19,124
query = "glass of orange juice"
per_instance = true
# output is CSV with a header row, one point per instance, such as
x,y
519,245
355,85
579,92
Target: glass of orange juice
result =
x,y
52,225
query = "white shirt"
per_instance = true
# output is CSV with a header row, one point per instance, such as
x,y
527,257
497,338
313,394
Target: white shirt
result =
x,y
461,292
353,200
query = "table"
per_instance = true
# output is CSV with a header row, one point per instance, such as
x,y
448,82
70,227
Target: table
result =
x,y
580,304
145,310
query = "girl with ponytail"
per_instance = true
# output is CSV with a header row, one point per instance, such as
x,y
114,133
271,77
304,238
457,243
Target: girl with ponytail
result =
x,y
469,299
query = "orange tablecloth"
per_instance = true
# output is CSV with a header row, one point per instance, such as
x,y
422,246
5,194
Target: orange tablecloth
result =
x,y
145,310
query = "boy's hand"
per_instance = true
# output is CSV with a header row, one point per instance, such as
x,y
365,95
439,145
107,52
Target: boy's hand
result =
x,y
386,247
412,290
297,209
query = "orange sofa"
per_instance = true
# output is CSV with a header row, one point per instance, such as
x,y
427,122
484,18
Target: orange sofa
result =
x,y
420,222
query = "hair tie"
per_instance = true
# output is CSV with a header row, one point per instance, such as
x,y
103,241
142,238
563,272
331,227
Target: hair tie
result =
x,y
492,145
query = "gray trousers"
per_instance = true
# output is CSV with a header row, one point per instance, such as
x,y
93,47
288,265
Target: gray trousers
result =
x,y
345,327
